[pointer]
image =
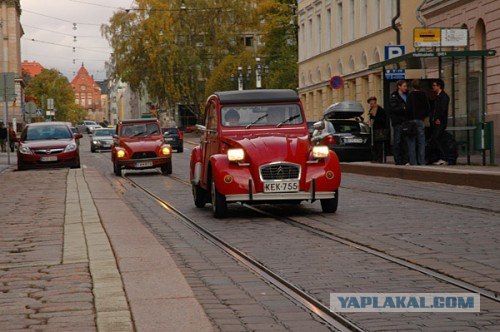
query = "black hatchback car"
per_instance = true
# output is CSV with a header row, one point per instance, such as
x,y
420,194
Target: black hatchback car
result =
x,y
173,136
344,132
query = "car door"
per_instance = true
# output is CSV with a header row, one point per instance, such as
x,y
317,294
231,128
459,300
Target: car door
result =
x,y
210,142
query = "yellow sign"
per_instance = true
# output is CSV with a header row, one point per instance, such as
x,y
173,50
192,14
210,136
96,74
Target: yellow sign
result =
x,y
426,37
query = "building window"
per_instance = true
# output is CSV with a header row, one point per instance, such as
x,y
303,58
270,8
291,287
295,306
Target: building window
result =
x,y
339,24
351,19
248,41
480,35
318,33
376,15
363,17
303,40
328,32
310,38
83,87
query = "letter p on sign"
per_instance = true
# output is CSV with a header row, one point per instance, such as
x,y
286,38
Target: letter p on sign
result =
x,y
393,51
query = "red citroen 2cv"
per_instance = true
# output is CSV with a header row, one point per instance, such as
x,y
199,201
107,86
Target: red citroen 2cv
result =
x,y
255,148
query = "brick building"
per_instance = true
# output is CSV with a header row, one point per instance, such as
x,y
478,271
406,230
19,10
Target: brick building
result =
x,y
31,69
88,94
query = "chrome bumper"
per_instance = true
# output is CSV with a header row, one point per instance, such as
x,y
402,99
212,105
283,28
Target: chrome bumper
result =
x,y
301,195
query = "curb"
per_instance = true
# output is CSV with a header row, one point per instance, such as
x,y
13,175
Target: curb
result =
x,y
457,177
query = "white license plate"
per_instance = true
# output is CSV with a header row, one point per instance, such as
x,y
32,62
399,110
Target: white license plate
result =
x,y
353,140
106,145
142,164
281,187
49,158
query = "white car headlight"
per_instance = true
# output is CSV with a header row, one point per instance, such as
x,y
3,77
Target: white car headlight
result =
x,y
95,142
70,148
321,151
165,150
24,150
235,154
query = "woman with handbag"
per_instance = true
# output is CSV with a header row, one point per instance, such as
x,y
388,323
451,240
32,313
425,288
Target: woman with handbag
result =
x,y
419,108
378,127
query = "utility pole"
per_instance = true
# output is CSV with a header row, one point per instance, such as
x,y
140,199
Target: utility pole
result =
x,y
5,101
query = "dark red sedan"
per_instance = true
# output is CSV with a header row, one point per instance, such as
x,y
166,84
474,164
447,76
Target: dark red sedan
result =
x,y
48,144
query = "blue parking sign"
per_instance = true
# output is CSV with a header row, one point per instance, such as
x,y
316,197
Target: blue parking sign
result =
x,y
393,51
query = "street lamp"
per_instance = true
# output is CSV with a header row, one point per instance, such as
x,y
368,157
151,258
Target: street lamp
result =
x,y
260,71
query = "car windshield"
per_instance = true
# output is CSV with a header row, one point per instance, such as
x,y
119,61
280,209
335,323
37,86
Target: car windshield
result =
x,y
104,132
47,132
140,130
89,123
261,115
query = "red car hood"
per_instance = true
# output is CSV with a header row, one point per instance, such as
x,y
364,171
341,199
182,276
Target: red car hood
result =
x,y
266,149
141,145
48,144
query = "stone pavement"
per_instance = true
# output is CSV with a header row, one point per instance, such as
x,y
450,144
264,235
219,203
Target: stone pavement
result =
x,y
4,161
62,234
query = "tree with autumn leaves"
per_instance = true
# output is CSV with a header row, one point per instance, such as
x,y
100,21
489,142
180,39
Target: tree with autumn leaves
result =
x,y
51,83
181,51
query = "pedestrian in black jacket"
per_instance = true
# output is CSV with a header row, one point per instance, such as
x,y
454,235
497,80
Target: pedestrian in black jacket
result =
x,y
418,109
378,125
439,119
3,138
399,115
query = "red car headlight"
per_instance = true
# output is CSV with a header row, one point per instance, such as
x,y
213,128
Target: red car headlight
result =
x,y
23,149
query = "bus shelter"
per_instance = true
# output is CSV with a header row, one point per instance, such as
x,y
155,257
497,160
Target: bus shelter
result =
x,y
465,82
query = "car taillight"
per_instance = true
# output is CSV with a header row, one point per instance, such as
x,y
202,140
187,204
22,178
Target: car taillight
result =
x,y
180,133
330,140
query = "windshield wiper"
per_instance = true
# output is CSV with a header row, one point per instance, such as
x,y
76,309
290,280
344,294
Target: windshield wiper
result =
x,y
138,134
293,117
151,133
257,120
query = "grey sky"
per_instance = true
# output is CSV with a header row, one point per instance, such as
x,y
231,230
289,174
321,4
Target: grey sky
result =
x,y
91,48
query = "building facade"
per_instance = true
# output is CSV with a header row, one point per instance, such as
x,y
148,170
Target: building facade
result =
x,y
88,94
344,37
10,11
31,69
482,19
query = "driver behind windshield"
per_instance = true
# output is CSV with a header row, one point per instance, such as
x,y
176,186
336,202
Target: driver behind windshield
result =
x,y
232,118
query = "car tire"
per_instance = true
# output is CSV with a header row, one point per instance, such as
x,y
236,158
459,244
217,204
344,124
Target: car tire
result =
x,y
117,169
199,196
180,149
330,205
76,166
21,167
166,169
92,150
219,204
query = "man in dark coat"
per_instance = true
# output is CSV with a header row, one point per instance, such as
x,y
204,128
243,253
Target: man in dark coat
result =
x,y
439,120
398,116
418,109
3,137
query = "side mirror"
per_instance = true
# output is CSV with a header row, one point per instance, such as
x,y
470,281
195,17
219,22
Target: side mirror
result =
x,y
201,128
115,136
320,125
78,136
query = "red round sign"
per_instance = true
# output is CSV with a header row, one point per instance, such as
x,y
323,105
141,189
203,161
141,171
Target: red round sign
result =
x,y
336,82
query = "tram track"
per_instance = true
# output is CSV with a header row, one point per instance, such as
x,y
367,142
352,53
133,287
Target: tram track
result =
x,y
290,290
492,295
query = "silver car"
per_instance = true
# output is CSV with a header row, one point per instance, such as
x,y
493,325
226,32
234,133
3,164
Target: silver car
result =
x,y
102,139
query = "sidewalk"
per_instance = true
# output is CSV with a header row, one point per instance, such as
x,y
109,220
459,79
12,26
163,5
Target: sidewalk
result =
x,y
74,257
4,159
